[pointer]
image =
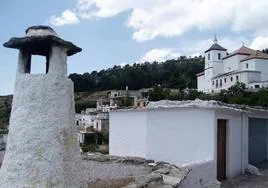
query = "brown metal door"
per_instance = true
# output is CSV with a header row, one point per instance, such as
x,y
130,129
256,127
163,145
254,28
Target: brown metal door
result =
x,y
221,150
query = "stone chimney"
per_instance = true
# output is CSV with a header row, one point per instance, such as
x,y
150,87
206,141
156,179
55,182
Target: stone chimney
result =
x,y
42,147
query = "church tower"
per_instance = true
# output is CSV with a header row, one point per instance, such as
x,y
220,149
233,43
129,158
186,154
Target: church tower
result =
x,y
213,62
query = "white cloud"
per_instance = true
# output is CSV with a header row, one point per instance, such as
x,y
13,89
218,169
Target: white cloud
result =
x,y
160,55
259,43
123,64
167,18
197,54
68,17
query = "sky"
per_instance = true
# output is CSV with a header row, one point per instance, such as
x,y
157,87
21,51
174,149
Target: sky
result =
x,y
119,32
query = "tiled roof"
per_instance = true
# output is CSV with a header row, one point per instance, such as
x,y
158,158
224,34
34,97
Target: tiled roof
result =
x,y
216,46
257,55
242,51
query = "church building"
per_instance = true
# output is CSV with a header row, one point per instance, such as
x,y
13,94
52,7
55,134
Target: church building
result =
x,y
223,69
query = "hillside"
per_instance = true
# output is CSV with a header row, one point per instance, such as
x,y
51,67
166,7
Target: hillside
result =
x,y
89,87
5,108
180,74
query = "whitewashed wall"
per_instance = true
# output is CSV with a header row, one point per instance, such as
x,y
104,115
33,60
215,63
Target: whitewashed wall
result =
x,y
232,63
250,63
175,136
202,84
262,65
127,133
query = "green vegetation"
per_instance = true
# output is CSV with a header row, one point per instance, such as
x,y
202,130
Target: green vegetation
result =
x,y
180,73
5,109
234,95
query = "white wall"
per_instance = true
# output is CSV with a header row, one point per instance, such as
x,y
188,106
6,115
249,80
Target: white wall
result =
x,y
250,63
244,77
173,135
202,84
127,133
232,63
262,65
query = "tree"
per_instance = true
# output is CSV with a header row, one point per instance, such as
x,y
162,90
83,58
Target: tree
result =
x,y
180,73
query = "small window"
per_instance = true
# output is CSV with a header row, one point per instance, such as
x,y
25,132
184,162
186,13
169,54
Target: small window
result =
x,y
212,82
237,78
247,65
257,86
224,80
208,56
219,56
217,83
220,82
231,79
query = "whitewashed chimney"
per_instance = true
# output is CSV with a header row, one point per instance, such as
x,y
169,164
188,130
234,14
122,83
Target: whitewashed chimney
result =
x,y
42,146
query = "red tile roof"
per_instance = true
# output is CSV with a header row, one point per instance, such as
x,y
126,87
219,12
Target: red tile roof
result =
x,y
243,51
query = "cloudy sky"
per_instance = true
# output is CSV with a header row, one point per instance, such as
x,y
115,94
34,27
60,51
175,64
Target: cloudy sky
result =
x,y
116,32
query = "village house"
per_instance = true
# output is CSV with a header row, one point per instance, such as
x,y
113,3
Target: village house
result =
x,y
222,70
101,122
220,139
117,99
83,120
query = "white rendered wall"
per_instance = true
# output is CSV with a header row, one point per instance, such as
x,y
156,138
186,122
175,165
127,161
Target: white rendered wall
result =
x,y
262,66
245,77
127,133
232,63
248,65
173,135
185,137
202,84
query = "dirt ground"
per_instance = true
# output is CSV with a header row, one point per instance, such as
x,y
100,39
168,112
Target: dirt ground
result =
x,y
249,181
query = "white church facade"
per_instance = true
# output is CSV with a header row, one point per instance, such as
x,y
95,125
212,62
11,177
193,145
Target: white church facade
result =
x,y
222,70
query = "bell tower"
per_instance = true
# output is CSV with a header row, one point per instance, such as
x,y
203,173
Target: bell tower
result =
x,y
42,147
213,62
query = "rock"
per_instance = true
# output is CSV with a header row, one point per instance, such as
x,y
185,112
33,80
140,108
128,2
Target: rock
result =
x,y
163,170
253,170
161,162
152,164
178,172
133,185
142,181
170,180
158,185
149,161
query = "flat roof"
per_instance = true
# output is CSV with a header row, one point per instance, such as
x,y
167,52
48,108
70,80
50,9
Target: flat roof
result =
x,y
211,104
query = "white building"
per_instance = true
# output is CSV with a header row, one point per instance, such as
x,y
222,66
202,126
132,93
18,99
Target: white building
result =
x,y
84,120
223,70
101,122
221,140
